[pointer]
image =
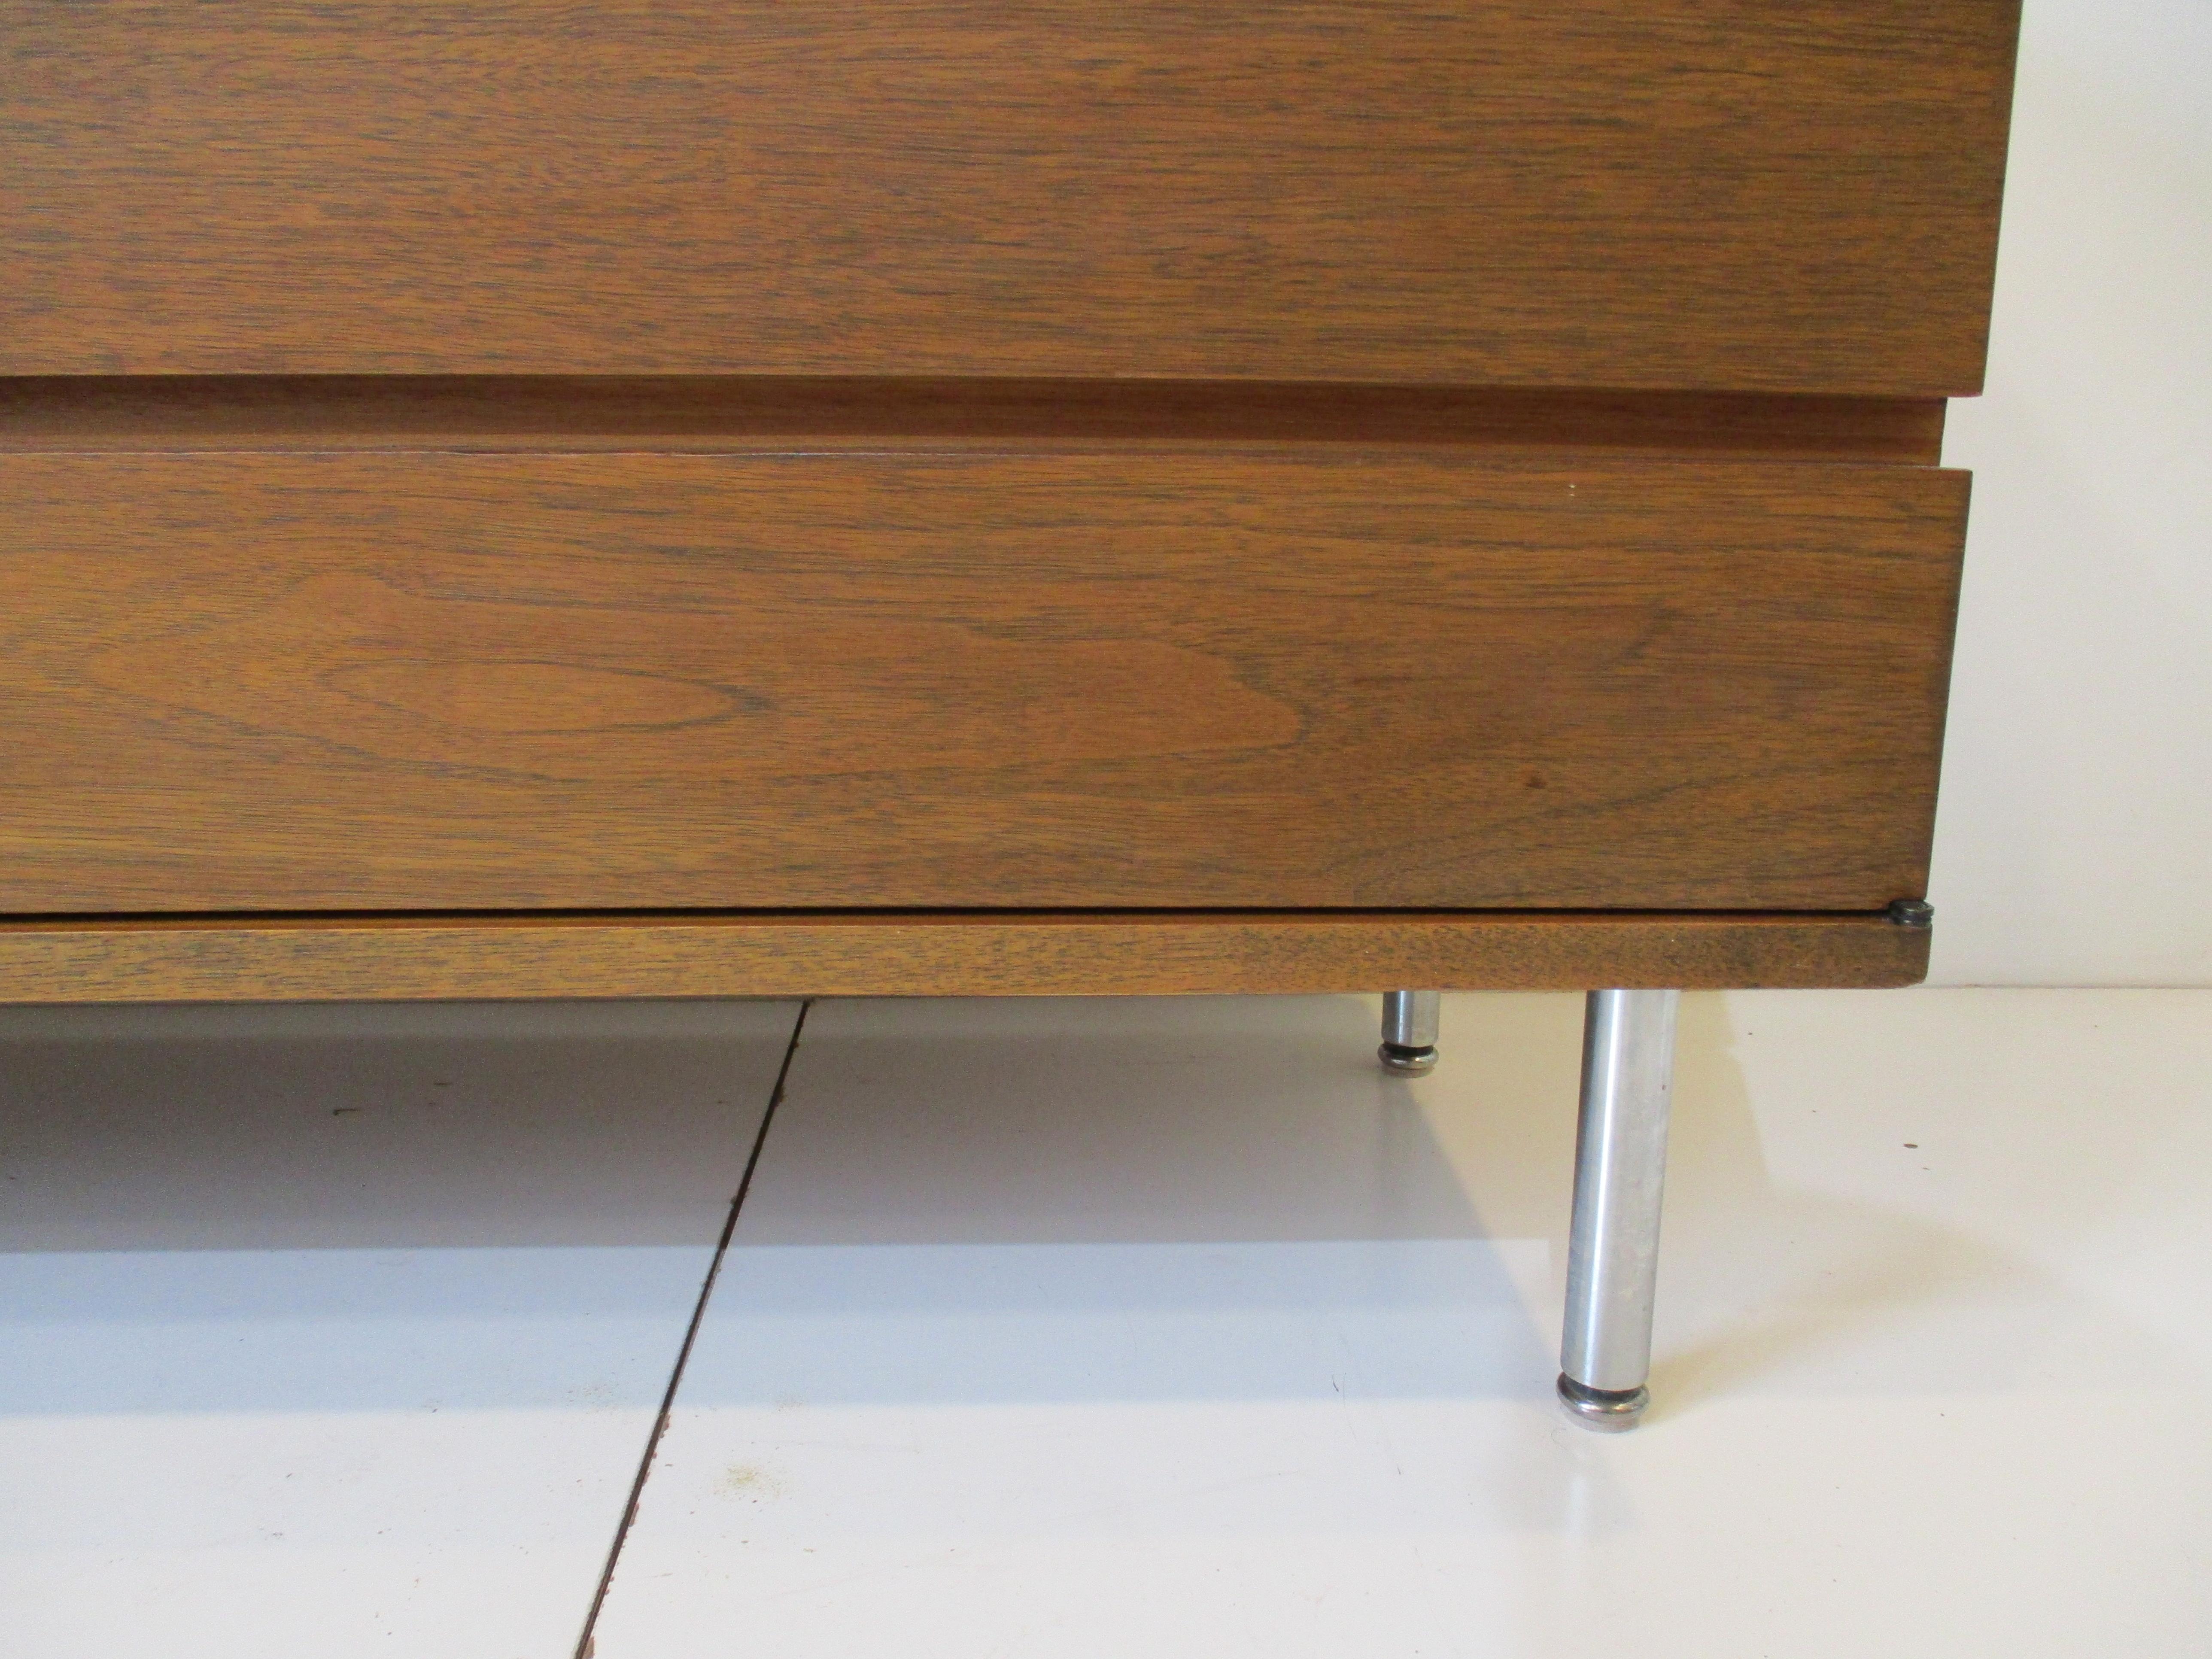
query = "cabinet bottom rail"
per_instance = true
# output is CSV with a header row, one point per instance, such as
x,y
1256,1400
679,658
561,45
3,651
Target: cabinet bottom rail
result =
x,y
458,956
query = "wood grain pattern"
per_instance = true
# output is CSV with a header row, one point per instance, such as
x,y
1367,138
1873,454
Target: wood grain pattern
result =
x,y
335,959
598,412
1698,194
1319,677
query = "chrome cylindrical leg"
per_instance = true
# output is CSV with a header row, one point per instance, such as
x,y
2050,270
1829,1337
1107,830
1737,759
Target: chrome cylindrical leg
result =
x,y
1410,1022
1620,1165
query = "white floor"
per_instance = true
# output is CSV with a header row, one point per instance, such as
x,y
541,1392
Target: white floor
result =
x,y
1096,1329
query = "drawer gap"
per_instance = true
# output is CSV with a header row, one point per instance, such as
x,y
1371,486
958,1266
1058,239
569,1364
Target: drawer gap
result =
x,y
615,412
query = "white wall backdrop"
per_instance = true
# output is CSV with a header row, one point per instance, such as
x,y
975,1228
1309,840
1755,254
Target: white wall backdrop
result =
x,y
2073,843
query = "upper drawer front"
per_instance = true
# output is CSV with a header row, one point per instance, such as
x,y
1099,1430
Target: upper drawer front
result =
x,y
1617,193
1271,679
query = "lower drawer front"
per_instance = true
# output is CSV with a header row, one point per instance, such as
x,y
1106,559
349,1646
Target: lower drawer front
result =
x,y
1268,679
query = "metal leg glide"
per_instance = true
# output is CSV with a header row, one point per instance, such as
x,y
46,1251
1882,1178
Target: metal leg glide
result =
x,y
1620,1165
1410,1022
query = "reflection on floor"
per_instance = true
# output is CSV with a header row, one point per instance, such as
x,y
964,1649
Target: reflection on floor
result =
x,y
1096,1327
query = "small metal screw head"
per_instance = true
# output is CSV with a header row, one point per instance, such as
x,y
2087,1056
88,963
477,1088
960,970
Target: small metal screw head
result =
x,y
1913,913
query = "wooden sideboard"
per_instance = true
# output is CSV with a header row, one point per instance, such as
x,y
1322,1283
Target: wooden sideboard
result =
x,y
518,498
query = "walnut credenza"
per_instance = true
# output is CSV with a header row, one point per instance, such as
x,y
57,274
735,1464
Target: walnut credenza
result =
x,y
515,499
